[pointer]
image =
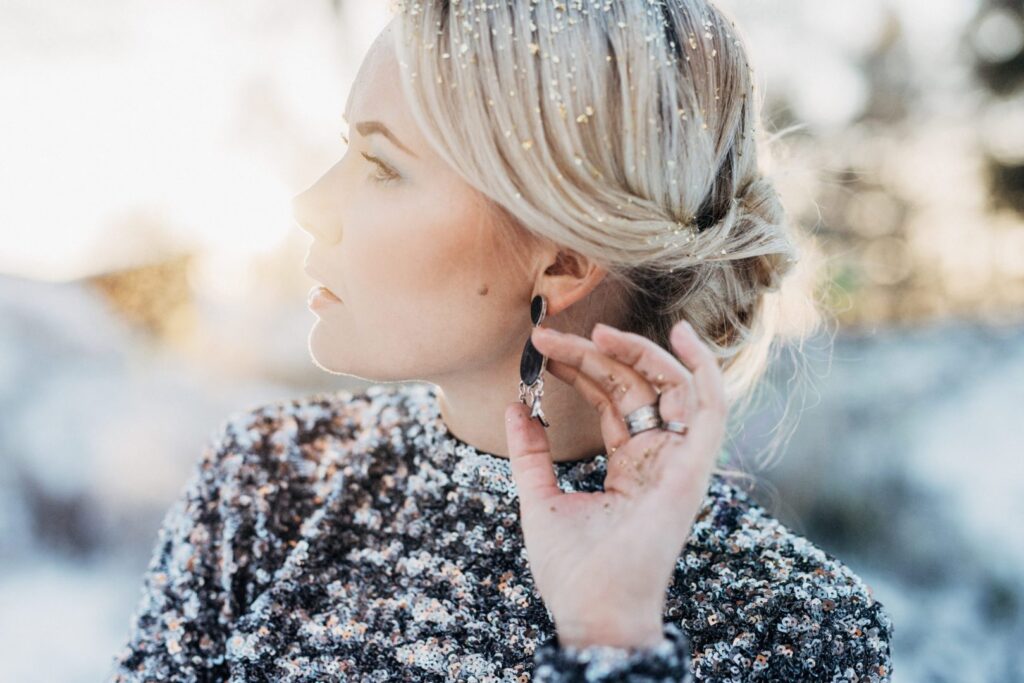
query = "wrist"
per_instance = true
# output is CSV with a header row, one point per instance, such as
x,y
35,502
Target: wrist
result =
x,y
622,633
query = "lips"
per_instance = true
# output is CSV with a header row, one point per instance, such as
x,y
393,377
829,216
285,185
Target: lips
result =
x,y
320,291
323,287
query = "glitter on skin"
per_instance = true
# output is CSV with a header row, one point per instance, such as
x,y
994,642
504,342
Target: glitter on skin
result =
x,y
347,536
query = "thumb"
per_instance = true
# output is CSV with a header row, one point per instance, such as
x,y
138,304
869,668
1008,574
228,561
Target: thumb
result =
x,y
529,456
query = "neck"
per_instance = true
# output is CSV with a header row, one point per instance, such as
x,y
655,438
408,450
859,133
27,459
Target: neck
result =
x,y
474,411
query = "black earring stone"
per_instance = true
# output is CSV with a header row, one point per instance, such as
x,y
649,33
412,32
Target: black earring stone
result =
x,y
538,308
532,364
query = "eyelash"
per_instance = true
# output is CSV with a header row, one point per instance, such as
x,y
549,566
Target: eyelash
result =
x,y
389,173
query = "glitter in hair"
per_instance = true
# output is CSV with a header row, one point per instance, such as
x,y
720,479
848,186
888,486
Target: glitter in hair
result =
x,y
623,130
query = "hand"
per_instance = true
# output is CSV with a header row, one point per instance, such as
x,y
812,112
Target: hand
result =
x,y
603,561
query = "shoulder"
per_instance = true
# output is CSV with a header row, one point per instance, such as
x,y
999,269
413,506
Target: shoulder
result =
x,y
268,467
754,593
294,435
269,426
298,443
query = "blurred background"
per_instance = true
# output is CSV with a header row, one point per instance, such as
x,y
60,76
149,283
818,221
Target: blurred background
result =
x,y
151,283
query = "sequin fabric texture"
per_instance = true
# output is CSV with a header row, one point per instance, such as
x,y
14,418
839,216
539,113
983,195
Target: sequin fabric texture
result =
x,y
352,536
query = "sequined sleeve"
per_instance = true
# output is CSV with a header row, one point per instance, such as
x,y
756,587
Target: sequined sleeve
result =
x,y
179,625
668,661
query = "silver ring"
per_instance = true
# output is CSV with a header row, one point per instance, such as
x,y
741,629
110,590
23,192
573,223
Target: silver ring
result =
x,y
676,426
643,418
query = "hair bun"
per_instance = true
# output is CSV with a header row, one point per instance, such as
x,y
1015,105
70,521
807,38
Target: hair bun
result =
x,y
756,223
761,199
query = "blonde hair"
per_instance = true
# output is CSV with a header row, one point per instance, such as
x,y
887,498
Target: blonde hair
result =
x,y
623,130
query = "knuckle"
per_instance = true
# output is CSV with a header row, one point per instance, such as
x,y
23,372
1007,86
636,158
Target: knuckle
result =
x,y
603,406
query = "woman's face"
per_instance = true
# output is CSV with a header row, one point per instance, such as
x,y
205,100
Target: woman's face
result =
x,y
426,289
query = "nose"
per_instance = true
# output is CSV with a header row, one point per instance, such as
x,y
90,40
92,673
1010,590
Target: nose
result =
x,y
304,216
313,217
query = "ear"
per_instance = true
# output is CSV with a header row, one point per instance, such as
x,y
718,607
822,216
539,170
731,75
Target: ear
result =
x,y
571,276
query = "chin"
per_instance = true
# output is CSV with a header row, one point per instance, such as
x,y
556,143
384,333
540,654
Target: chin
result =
x,y
326,351
336,357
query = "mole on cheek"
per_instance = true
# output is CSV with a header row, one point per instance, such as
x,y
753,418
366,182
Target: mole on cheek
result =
x,y
482,290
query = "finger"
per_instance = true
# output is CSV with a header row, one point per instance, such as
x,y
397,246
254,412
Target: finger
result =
x,y
529,457
692,456
638,467
658,366
707,375
683,469
626,388
621,474
654,363
613,427
684,465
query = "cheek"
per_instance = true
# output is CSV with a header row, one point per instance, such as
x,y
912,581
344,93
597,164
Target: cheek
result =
x,y
401,255
430,271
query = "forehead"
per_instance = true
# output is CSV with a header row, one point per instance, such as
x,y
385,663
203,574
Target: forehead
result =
x,y
377,95
378,65
376,90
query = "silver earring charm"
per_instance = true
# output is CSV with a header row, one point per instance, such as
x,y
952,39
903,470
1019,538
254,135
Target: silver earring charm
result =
x,y
532,365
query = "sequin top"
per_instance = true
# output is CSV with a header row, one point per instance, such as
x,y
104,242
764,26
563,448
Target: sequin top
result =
x,y
352,536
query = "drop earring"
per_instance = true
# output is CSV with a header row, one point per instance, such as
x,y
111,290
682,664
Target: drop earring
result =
x,y
533,363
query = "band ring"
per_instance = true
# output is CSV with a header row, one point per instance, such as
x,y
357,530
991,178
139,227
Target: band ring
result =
x,y
676,426
643,418
648,417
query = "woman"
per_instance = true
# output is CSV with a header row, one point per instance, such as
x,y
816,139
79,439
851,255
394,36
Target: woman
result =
x,y
586,165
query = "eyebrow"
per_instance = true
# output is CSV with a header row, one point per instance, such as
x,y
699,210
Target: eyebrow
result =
x,y
370,127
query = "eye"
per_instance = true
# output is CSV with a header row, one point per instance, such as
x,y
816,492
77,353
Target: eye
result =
x,y
385,174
